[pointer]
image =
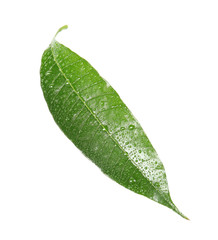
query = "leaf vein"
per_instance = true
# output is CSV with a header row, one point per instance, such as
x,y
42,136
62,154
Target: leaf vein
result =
x,y
108,109
102,95
92,85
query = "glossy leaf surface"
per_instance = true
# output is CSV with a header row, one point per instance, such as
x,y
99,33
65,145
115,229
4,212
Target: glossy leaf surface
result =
x,y
92,115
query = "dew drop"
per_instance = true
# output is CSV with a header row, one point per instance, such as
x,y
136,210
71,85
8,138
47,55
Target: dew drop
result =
x,y
48,73
131,127
105,128
132,180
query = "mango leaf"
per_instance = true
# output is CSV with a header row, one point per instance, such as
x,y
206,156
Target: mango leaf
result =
x,y
93,116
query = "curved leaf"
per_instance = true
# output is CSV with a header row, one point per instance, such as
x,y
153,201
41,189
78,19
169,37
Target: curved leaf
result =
x,y
92,115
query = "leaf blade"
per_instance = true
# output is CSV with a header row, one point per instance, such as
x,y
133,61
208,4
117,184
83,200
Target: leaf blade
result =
x,y
93,116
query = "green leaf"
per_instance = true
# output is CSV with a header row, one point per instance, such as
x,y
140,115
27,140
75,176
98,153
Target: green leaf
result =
x,y
92,115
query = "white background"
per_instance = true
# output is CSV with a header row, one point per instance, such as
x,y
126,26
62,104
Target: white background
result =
x,y
162,58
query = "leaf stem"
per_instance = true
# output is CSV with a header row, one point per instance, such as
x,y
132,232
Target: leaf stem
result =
x,y
59,30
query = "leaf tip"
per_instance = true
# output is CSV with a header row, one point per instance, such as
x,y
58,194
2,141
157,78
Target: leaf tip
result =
x,y
186,218
181,214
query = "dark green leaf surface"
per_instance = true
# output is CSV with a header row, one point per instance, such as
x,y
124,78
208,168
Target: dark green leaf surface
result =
x,y
92,115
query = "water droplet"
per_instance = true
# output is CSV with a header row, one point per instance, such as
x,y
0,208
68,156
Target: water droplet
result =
x,y
131,127
48,73
105,128
140,151
132,180
122,128
102,103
